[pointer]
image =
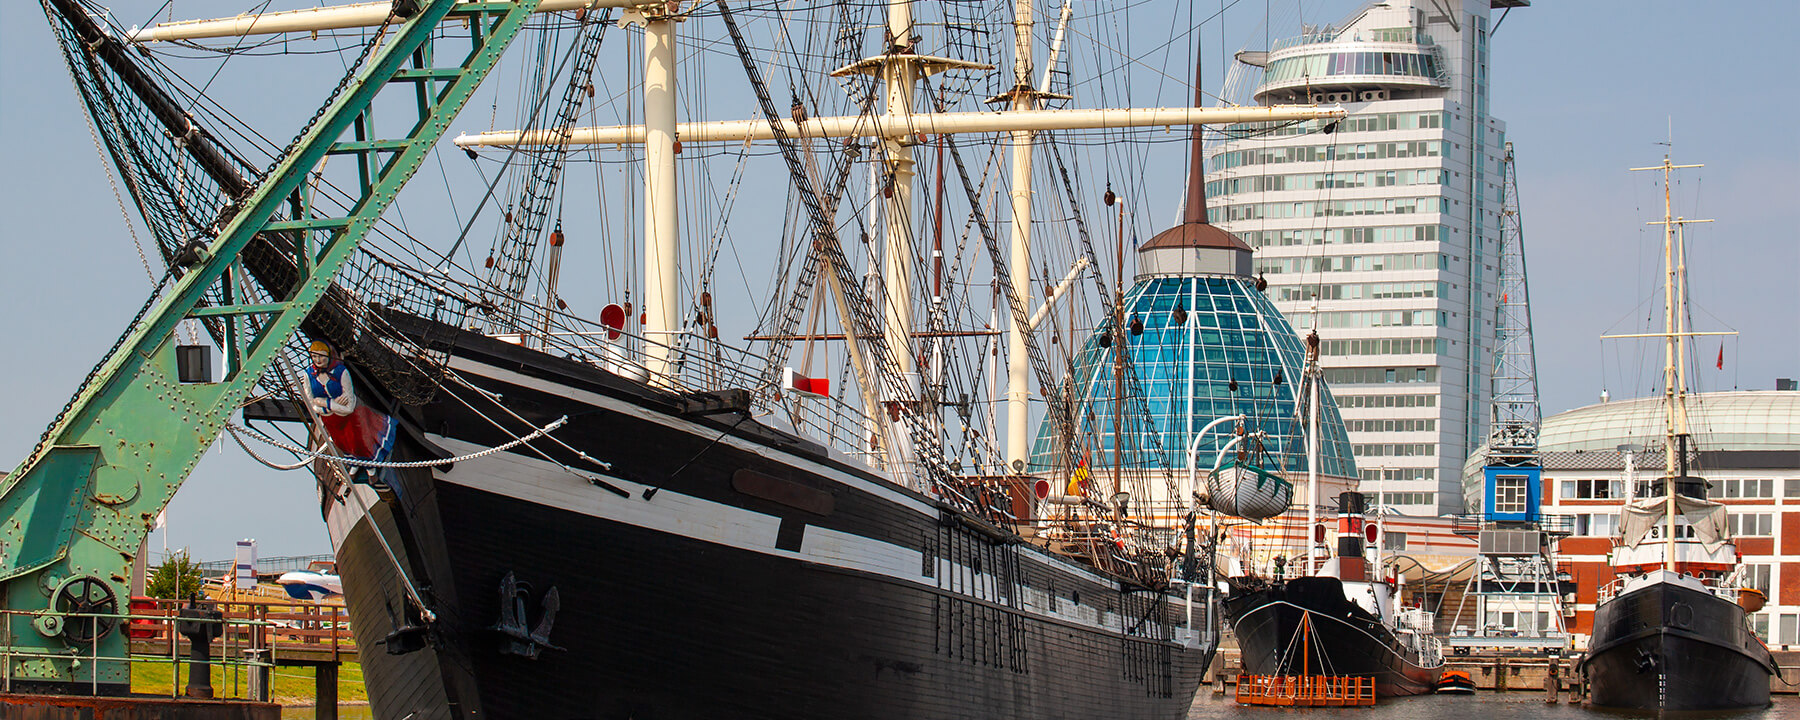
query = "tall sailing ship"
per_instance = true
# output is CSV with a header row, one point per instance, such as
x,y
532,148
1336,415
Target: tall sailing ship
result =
x,y
537,515
1672,632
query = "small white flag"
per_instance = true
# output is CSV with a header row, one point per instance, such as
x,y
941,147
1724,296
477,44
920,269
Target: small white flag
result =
x,y
162,519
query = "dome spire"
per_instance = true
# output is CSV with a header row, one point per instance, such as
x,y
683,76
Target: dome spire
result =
x,y
1196,180
1194,246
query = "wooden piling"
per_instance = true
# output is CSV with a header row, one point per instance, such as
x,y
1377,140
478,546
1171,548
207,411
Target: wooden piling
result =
x,y
325,681
1553,681
1500,674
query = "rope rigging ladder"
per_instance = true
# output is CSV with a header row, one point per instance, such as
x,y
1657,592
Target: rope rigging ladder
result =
x,y
515,252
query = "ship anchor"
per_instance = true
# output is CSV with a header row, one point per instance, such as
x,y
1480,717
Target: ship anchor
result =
x,y
513,616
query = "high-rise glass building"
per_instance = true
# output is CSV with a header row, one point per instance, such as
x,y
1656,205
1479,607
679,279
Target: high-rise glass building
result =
x,y
1381,231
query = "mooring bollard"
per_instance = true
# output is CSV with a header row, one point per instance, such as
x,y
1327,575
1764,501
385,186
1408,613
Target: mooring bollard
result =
x,y
258,661
1553,681
200,626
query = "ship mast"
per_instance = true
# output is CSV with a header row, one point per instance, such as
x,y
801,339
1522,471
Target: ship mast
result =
x,y
662,245
1313,377
1674,353
1018,363
899,69
900,76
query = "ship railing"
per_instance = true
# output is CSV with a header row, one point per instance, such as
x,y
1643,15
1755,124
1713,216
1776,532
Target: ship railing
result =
x,y
701,364
1416,619
1305,690
1308,39
1722,586
1416,626
250,639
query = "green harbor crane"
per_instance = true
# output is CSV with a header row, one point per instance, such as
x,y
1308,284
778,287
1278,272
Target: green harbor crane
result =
x,y
74,513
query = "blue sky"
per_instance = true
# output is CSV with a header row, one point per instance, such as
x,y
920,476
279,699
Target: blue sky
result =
x,y
1587,89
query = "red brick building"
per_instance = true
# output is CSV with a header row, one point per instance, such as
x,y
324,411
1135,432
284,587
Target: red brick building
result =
x,y
1748,448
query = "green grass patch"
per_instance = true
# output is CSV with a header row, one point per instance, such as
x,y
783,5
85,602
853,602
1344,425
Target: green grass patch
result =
x,y
291,685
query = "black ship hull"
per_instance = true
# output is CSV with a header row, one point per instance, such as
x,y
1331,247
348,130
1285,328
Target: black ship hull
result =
x,y
704,566
1345,639
1668,647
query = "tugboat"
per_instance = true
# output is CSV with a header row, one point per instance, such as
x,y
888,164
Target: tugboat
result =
x,y
1347,618
1673,633
1344,615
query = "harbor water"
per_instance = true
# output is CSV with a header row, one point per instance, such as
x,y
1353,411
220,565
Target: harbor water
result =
x,y
1479,706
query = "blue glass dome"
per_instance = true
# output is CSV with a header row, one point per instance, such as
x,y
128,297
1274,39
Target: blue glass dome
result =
x,y
1232,332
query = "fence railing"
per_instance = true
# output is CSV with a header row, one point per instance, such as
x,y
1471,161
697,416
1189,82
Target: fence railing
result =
x,y
251,638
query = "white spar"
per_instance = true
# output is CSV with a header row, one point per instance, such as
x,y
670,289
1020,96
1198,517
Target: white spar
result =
x,y
738,131
334,17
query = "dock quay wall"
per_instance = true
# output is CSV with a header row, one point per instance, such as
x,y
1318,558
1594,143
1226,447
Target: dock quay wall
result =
x,y
1513,672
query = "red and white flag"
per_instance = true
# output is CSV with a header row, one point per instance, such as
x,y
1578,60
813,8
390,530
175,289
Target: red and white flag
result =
x,y
1721,363
797,383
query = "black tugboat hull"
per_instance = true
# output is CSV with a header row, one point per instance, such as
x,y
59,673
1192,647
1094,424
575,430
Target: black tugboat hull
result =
x,y
742,574
1670,648
1346,640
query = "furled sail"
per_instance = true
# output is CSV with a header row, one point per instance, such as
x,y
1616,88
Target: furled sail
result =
x,y
1708,519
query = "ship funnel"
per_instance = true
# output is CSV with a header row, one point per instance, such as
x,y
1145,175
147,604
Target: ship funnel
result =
x,y
1350,564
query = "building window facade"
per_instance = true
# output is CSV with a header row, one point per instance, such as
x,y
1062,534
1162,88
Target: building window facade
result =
x,y
1752,525
1592,489
1597,524
1745,488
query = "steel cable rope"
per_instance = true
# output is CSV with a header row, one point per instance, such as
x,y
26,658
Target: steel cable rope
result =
x,y
512,151
130,227
1141,408
516,248
349,491
1157,70
1019,312
359,462
195,102
786,253
493,398
887,368
241,42
227,151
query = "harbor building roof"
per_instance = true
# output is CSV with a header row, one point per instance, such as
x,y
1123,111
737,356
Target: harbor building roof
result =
x,y
1731,430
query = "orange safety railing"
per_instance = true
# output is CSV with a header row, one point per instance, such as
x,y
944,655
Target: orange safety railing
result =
x,y
1305,690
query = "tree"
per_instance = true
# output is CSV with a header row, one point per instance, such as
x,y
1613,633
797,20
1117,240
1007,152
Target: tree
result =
x,y
178,578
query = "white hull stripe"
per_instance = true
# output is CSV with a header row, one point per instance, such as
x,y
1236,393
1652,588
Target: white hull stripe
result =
x,y
1377,641
538,481
883,489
